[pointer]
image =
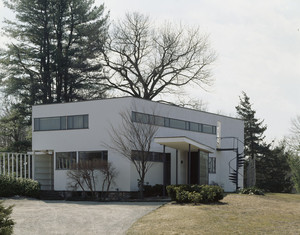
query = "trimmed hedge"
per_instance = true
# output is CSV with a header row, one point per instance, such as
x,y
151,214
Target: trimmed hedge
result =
x,y
11,186
195,193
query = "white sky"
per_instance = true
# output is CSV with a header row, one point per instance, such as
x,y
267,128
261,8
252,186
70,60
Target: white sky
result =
x,y
258,48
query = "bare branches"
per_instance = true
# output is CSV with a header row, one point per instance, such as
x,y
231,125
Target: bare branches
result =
x,y
147,61
133,141
294,138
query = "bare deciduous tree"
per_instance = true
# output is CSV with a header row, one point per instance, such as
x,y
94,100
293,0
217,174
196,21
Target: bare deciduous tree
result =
x,y
133,141
109,173
84,175
294,138
146,60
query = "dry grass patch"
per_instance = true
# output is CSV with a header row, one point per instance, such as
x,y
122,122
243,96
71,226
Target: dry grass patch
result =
x,y
237,214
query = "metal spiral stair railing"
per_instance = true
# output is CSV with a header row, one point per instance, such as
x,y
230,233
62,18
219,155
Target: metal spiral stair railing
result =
x,y
239,160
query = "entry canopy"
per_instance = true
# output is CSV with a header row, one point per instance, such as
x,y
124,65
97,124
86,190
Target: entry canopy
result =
x,y
182,143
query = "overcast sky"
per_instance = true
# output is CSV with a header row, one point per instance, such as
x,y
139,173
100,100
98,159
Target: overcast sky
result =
x,y
258,48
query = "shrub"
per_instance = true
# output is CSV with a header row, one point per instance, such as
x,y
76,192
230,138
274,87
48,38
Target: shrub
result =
x,y
195,193
6,223
182,196
195,197
11,186
251,191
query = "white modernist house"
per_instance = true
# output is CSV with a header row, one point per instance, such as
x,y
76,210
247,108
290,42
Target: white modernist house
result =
x,y
189,146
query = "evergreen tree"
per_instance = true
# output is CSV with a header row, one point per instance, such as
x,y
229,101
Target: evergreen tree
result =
x,y
273,172
54,50
253,137
15,134
6,223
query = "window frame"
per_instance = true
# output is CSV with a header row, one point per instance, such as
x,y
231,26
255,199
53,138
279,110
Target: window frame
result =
x,y
63,123
212,165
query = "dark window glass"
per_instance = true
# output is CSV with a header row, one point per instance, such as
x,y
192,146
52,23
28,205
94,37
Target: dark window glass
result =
x,y
148,156
63,123
47,124
36,124
78,122
179,124
212,165
187,125
207,129
93,157
151,119
173,123
65,160
194,126
142,118
167,122
159,121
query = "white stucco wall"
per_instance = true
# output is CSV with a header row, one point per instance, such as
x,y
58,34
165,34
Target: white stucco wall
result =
x,y
104,113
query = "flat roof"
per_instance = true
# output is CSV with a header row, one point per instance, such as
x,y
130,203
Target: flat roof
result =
x,y
144,100
183,143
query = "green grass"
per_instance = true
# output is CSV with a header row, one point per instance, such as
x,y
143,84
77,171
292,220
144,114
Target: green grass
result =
x,y
236,214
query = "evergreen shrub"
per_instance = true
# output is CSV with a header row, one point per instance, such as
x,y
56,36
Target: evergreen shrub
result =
x,y
195,193
6,223
11,186
251,191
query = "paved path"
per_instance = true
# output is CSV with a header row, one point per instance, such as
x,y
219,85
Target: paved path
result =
x,y
66,217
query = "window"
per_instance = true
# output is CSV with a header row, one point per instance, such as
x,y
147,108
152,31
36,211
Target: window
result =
x,y
178,124
194,126
152,156
159,121
172,123
61,123
78,122
65,160
94,157
51,123
212,165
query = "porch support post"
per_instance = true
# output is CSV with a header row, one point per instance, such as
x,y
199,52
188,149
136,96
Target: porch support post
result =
x,y
164,170
176,166
33,165
189,170
198,173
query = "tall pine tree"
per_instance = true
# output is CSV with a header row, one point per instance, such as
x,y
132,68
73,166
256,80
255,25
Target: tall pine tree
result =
x,y
53,56
253,137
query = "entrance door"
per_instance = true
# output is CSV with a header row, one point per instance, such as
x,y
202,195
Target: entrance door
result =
x,y
194,168
44,171
167,169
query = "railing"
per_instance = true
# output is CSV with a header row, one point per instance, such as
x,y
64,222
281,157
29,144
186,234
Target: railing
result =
x,y
233,144
16,164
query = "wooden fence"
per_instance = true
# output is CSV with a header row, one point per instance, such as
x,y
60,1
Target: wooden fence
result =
x,y
16,164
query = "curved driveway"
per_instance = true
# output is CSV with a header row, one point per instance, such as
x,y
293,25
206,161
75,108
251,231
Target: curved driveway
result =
x,y
68,217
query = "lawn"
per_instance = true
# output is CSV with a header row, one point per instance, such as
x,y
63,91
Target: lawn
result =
x,y
236,214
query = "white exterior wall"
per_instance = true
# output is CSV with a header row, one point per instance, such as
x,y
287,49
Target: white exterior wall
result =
x,y
104,113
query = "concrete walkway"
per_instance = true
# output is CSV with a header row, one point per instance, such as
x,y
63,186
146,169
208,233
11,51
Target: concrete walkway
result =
x,y
67,217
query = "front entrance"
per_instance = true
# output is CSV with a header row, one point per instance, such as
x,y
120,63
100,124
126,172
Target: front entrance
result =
x,y
44,170
198,168
194,168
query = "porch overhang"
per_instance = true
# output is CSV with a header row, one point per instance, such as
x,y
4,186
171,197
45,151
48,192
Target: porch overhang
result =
x,y
183,143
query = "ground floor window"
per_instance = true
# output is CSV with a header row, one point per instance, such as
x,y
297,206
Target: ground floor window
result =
x,y
65,160
203,167
149,156
97,158
212,165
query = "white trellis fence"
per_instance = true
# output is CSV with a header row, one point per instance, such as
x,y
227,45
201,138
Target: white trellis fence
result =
x,y
16,165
